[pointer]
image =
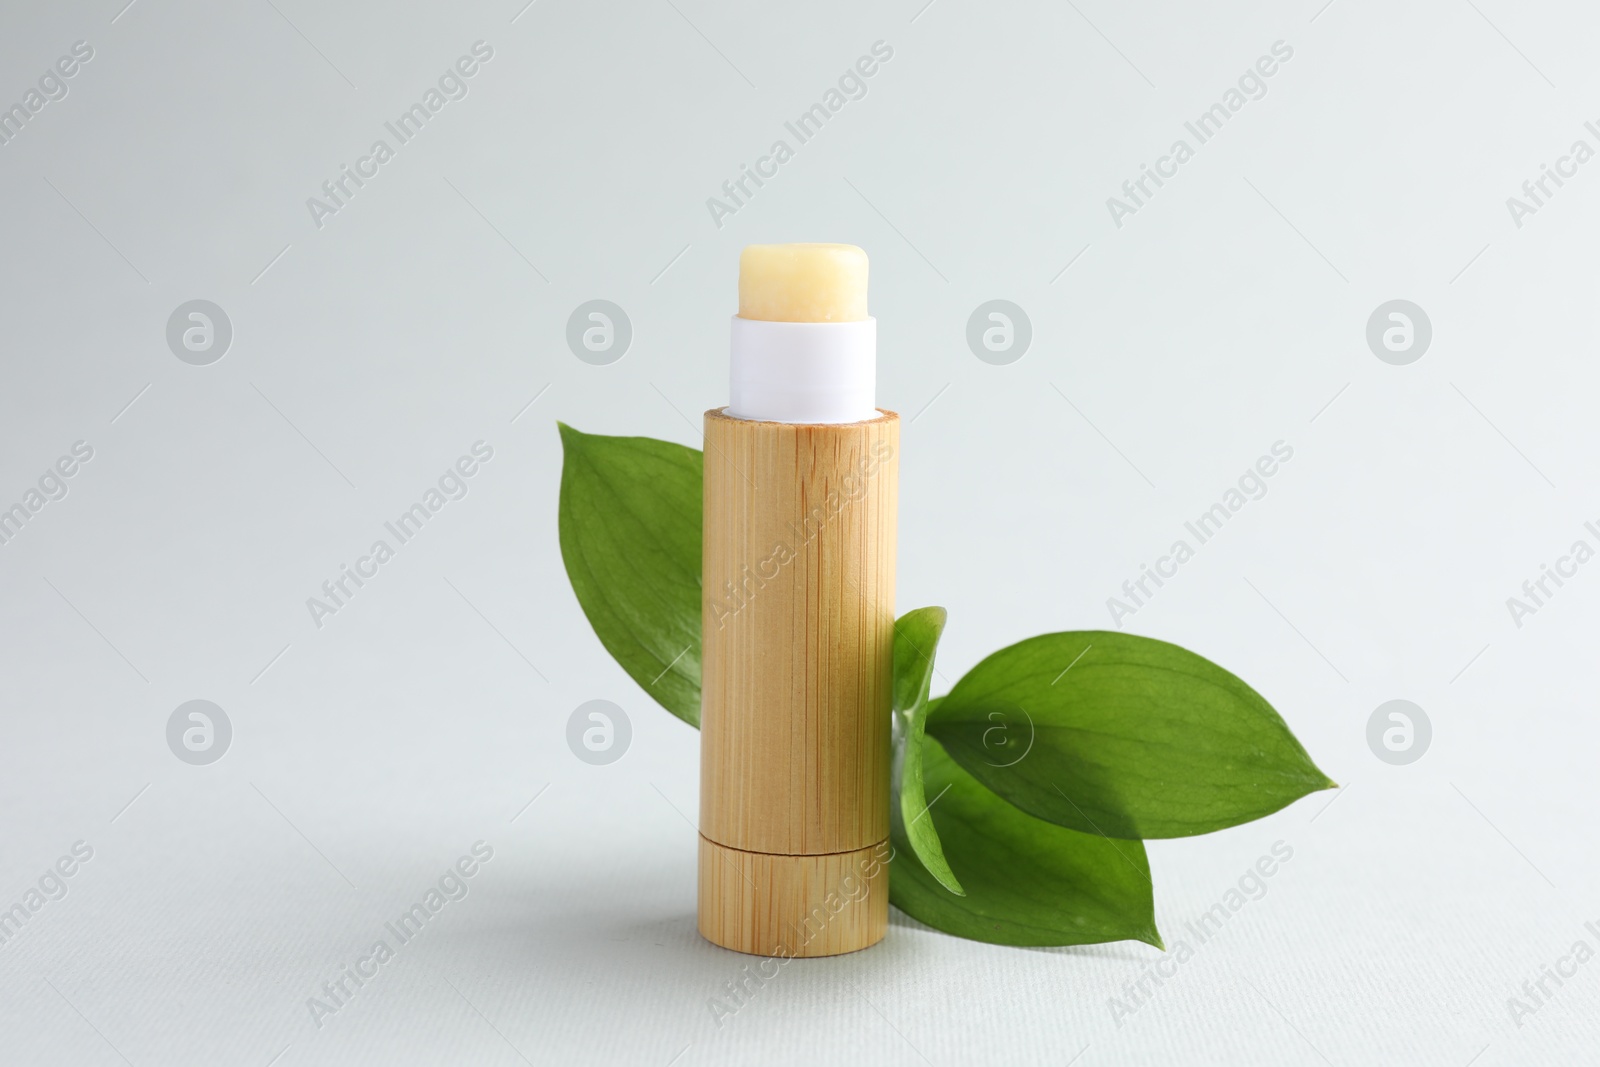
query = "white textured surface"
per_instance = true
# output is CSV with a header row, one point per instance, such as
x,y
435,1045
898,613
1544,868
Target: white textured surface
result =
x,y
807,372
1227,314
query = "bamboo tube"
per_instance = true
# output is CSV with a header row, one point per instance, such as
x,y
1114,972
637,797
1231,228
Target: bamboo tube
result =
x,y
799,548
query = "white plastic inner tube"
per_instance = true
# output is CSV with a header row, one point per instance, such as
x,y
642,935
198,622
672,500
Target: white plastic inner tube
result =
x,y
803,372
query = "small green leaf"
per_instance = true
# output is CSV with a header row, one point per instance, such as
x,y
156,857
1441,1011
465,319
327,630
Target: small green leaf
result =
x,y
630,538
916,638
1122,735
1028,882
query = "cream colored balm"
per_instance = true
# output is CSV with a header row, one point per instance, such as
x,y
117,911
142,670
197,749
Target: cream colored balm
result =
x,y
801,484
803,283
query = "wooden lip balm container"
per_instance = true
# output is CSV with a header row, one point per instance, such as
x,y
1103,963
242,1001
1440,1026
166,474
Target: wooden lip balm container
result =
x,y
801,483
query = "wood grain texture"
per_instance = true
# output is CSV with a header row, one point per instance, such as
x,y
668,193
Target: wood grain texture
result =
x,y
793,906
799,552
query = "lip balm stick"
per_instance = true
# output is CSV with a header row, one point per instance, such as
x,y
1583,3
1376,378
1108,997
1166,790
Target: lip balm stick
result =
x,y
801,483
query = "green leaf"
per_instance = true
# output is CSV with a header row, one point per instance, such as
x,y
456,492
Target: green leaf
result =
x,y
1122,735
630,538
916,638
1028,882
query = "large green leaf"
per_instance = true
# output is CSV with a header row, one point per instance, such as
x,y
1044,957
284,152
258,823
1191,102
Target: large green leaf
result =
x,y
630,538
1114,734
916,638
1027,881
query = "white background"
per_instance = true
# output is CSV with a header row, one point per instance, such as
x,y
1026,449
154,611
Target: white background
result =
x,y
1227,314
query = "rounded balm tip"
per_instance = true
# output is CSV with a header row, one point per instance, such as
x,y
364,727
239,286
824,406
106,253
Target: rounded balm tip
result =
x,y
803,283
